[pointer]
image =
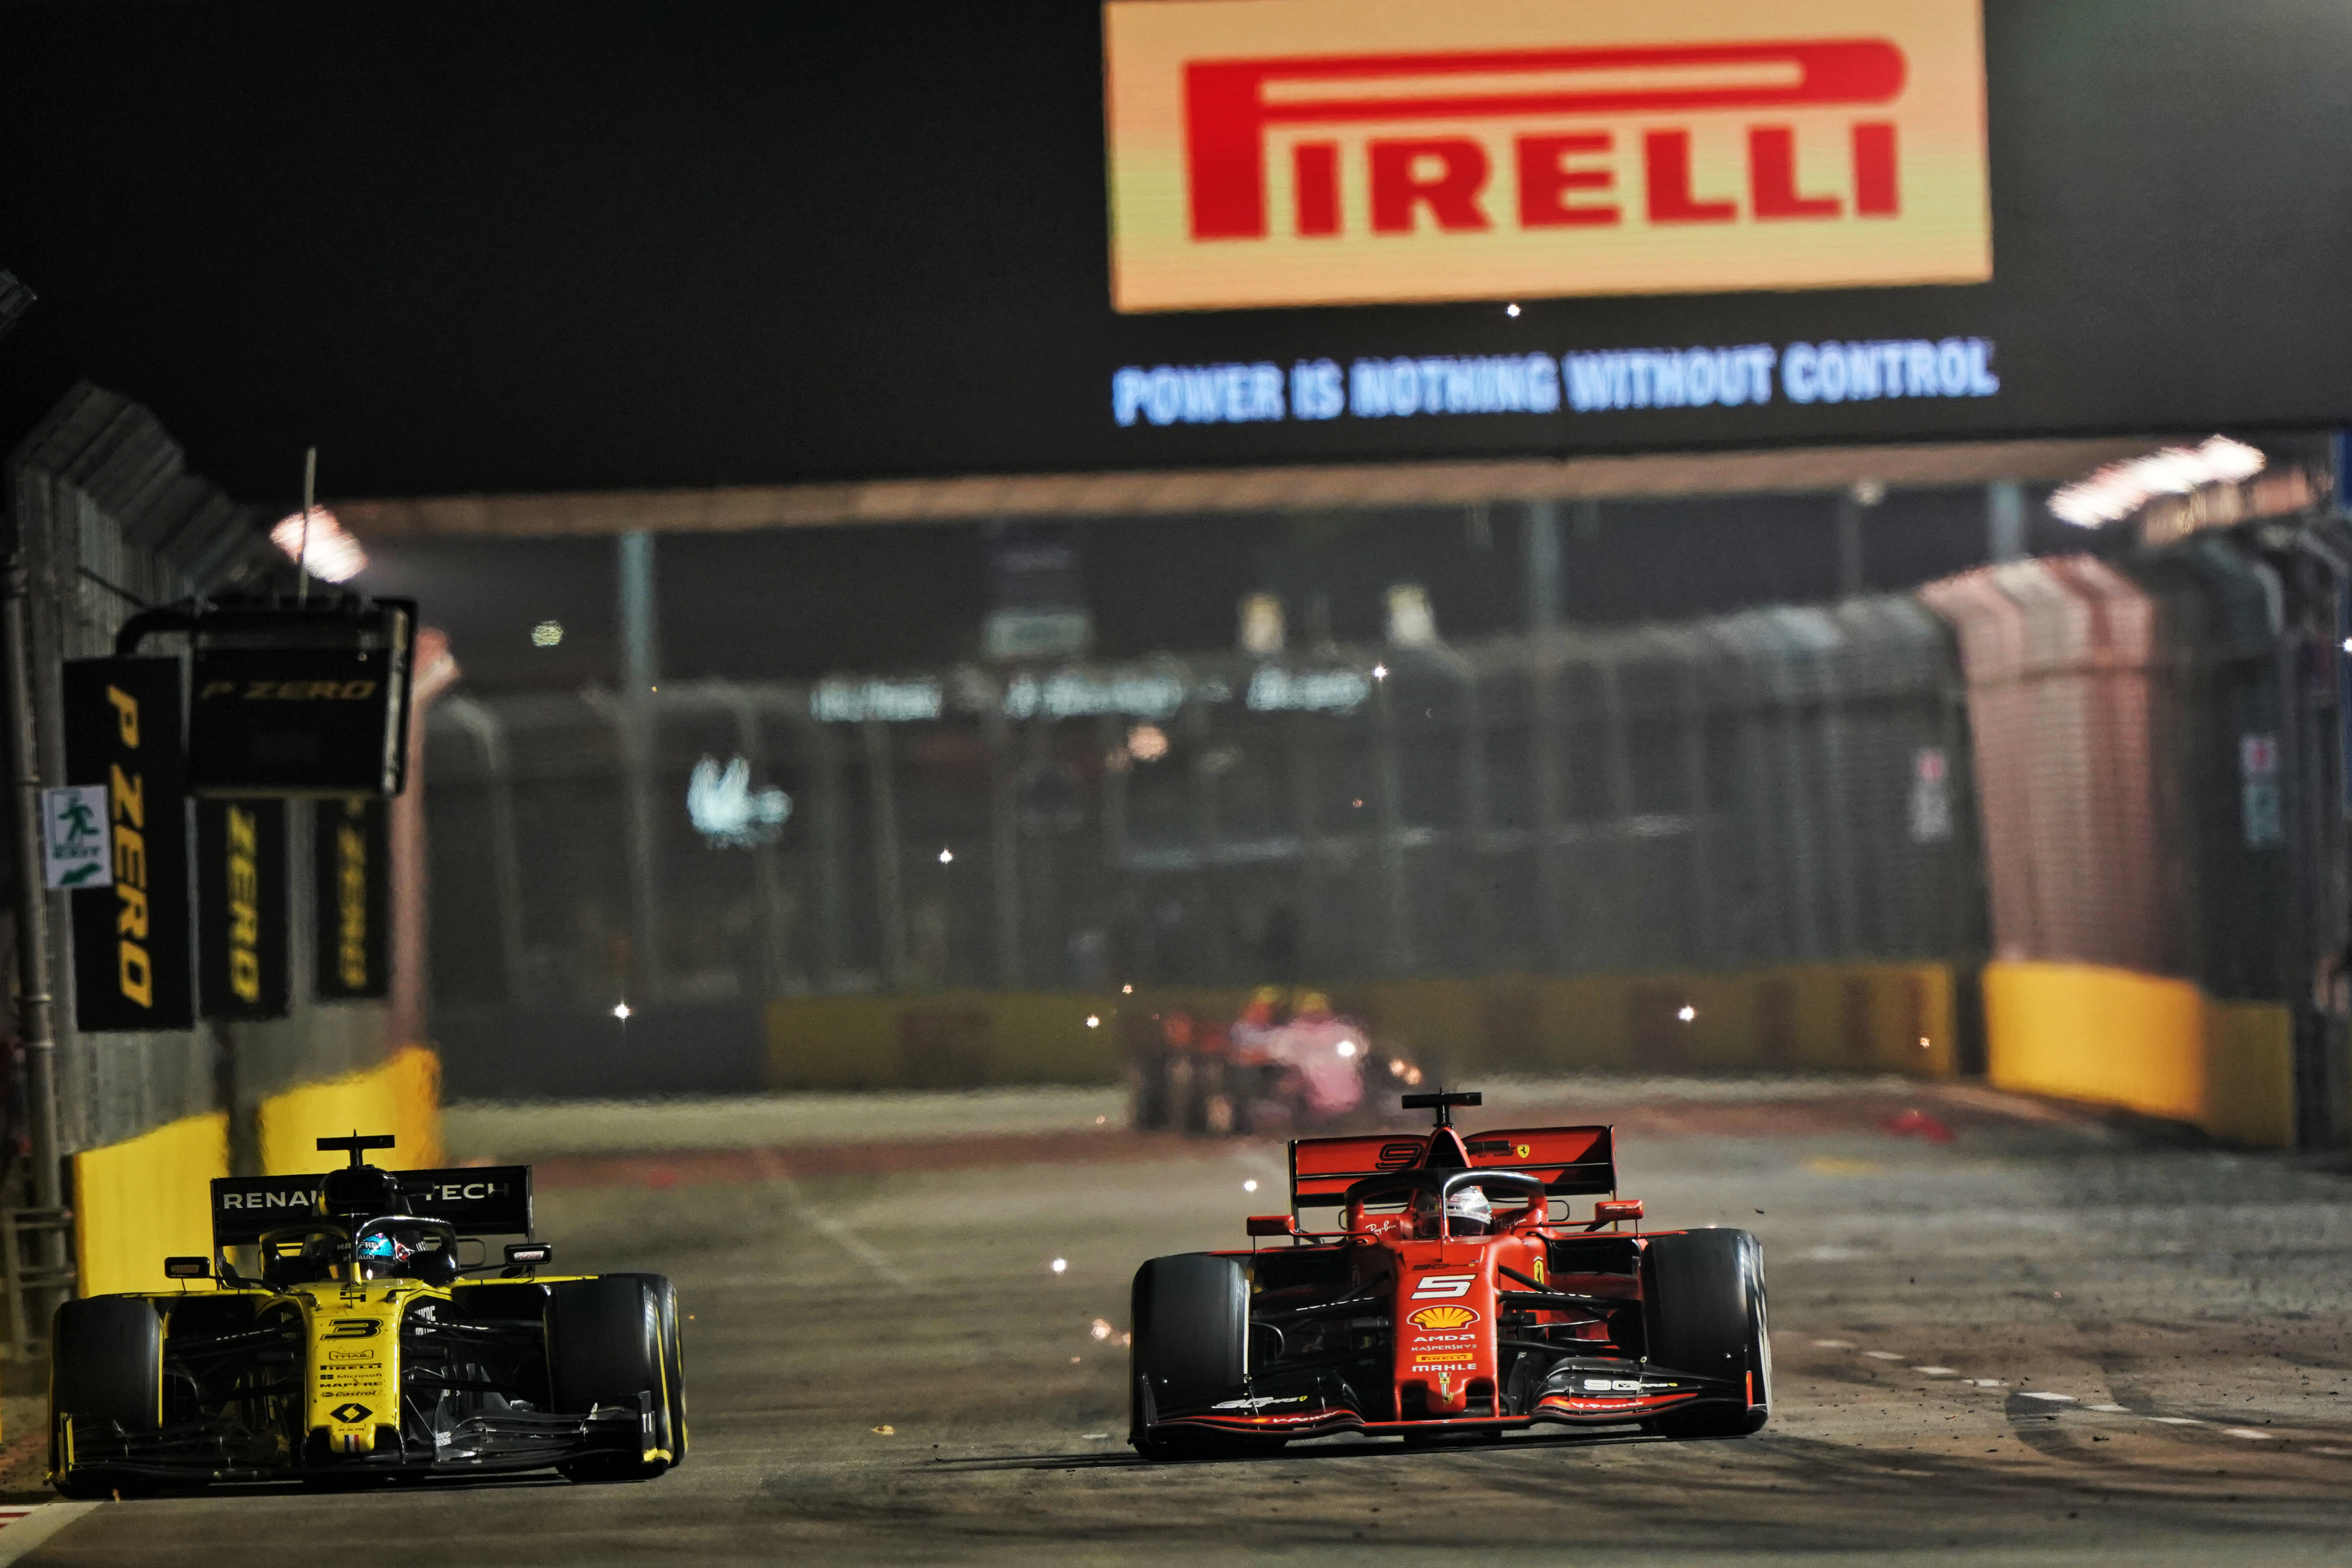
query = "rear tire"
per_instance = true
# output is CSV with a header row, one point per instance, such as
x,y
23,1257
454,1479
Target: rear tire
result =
x,y
605,1344
1703,1308
1190,1314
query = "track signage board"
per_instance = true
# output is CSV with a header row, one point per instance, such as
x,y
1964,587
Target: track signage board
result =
x,y
302,702
1062,237
1324,152
351,869
241,905
133,941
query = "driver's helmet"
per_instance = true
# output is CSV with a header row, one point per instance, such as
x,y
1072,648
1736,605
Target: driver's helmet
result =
x,y
1466,1207
383,1252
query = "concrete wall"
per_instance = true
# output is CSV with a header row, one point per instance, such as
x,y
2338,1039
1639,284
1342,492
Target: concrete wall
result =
x,y
2158,1047
403,1096
145,1199
1854,1018
142,1200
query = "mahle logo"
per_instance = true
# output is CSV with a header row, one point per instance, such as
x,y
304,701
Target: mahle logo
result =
x,y
1318,151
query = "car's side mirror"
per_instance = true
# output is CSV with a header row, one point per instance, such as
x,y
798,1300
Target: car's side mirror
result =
x,y
187,1268
1609,1209
1273,1224
529,1254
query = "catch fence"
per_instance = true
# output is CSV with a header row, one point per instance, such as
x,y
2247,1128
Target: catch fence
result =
x,y
1782,787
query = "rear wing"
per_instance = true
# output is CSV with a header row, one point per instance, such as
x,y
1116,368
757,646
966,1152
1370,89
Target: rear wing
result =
x,y
1570,1161
487,1200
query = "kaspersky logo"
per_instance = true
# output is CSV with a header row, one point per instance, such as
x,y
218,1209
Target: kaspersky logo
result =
x,y
1305,152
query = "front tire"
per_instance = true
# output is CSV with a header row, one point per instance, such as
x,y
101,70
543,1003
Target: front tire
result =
x,y
673,1359
1704,1308
605,1345
1190,1314
106,1369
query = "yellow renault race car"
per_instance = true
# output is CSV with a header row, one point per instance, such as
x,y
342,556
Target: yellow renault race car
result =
x,y
364,1350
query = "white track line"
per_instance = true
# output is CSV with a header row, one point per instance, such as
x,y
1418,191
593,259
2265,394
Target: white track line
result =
x,y
21,1535
833,1229
2104,1408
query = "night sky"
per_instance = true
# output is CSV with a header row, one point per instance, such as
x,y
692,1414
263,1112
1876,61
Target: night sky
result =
x,y
613,245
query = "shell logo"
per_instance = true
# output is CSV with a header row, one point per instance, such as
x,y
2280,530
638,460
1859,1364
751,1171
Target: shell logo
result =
x,y
1443,1317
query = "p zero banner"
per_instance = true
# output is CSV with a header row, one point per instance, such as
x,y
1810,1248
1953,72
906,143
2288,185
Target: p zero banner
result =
x,y
133,966
352,854
1269,153
241,915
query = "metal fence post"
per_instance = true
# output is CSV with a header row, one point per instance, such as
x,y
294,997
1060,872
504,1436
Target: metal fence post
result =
x,y
633,721
35,1288
506,867
1613,846
1201,781
1003,844
1474,822
1306,821
829,833
1544,749
2005,520
890,869
767,885
1396,894
1693,694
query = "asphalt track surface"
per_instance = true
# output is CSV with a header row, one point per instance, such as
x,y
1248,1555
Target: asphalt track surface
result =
x,y
2048,1340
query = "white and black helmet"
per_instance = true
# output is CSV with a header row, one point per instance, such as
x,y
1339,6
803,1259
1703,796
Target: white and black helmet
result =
x,y
1467,1212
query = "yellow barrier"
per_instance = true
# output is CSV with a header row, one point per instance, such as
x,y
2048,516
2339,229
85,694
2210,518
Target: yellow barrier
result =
x,y
939,1040
1867,1017
401,1096
145,1199
2249,1073
2158,1047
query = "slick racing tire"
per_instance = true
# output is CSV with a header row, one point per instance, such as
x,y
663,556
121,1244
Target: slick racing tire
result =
x,y
605,1346
673,1359
1703,1306
106,1369
1190,1314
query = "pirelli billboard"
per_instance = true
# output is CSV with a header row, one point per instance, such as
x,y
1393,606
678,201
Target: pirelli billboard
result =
x,y
1155,235
1271,153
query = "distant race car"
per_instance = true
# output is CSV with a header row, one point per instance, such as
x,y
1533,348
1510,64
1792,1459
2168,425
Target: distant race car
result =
x,y
364,1350
1450,1299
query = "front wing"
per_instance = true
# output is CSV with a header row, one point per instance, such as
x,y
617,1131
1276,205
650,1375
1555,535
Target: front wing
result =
x,y
1580,1393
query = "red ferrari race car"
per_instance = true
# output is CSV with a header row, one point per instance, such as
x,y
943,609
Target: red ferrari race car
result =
x,y
1451,1299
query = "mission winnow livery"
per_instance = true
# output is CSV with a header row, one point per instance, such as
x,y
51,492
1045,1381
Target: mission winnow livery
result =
x,y
1451,1299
